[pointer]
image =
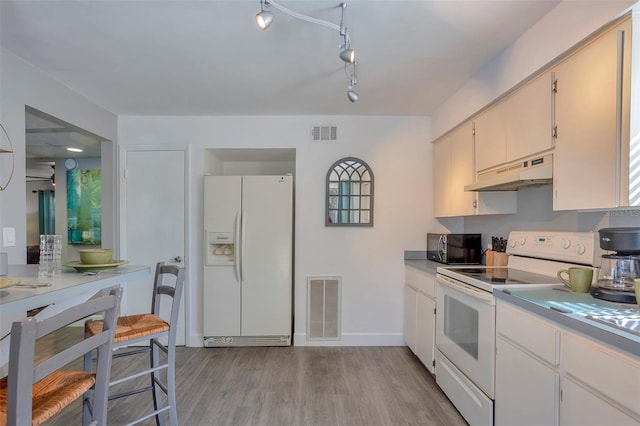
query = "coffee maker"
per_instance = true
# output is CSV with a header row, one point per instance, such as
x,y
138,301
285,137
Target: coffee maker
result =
x,y
618,270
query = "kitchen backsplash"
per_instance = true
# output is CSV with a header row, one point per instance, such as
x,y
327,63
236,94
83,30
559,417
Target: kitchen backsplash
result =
x,y
535,212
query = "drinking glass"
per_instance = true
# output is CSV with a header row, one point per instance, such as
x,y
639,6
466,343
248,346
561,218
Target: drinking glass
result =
x,y
50,256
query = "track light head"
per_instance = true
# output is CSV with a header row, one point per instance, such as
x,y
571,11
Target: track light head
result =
x,y
348,55
264,19
351,94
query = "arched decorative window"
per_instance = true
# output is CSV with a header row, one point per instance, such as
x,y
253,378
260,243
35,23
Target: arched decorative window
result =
x,y
349,193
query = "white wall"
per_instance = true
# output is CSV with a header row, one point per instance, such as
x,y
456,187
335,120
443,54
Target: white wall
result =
x,y
370,260
22,84
560,29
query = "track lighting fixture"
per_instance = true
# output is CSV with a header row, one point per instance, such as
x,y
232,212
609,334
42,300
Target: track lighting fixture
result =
x,y
264,18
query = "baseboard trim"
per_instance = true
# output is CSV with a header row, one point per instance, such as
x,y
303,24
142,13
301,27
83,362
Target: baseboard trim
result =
x,y
239,341
348,339
353,339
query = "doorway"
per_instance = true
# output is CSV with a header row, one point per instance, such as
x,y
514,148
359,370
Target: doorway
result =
x,y
52,147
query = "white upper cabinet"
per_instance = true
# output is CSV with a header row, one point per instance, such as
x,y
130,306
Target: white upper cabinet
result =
x,y
516,127
592,118
490,142
529,119
462,171
453,168
441,175
581,108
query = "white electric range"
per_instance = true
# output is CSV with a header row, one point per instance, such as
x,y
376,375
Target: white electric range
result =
x,y
465,317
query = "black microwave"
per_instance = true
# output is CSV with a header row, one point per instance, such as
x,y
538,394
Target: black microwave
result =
x,y
454,248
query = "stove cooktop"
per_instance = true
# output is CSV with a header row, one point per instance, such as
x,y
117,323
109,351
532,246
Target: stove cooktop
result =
x,y
504,276
488,278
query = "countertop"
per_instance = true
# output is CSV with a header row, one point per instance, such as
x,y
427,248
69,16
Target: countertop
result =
x,y
67,284
423,265
57,293
569,309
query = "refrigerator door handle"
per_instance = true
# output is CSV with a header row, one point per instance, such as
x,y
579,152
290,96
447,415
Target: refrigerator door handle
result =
x,y
236,248
243,272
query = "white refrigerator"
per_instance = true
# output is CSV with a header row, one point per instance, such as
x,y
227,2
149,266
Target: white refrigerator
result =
x,y
248,262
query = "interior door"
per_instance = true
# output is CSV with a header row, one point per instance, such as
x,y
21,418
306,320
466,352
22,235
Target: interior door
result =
x,y
153,200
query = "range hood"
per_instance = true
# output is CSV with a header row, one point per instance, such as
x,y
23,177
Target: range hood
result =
x,y
535,171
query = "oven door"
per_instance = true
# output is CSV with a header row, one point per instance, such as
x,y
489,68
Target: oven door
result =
x,y
465,330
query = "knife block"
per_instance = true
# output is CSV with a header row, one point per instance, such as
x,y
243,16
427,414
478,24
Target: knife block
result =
x,y
495,258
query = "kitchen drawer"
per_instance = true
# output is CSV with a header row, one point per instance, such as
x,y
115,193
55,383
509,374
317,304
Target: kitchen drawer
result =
x,y
605,371
529,332
422,281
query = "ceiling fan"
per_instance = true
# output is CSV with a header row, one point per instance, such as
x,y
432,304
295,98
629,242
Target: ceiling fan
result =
x,y
51,178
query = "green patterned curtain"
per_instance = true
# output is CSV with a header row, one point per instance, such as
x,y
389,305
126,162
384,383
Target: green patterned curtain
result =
x,y
46,212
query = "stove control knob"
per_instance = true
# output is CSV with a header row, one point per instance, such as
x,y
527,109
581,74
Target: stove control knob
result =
x,y
580,249
512,243
566,243
522,241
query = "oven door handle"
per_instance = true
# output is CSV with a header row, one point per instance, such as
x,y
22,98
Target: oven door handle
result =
x,y
469,290
442,252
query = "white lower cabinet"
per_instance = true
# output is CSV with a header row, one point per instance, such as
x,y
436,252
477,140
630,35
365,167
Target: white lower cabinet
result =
x,y
419,315
410,318
526,368
425,330
600,385
524,388
549,375
582,407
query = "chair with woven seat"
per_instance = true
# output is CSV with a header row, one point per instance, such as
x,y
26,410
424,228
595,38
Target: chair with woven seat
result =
x,y
35,391
152,329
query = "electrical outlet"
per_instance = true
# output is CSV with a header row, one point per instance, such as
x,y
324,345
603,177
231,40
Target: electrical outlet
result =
x,y
9,237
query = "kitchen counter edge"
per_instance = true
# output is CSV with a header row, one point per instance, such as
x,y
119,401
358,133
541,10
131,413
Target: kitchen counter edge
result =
x,y
423,265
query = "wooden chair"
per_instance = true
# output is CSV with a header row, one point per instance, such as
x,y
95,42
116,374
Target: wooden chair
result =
x,y
33,393
132,330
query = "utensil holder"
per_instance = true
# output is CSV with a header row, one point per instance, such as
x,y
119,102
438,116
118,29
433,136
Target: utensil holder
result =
x,y
495,258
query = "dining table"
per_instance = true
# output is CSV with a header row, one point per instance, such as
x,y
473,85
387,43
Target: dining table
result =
x,y
27,294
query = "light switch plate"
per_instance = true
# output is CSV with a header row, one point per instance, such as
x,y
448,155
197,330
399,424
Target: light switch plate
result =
x,y
9,237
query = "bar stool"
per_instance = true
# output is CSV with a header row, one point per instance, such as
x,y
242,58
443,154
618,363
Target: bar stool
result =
x,y
151,328
34,393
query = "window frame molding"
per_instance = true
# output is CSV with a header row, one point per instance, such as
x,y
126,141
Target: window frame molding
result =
x,y
343,164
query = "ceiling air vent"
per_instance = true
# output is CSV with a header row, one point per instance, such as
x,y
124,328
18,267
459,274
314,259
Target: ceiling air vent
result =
x,y
324,134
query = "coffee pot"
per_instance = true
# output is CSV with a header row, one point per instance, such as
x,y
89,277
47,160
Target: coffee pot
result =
x,y
618,270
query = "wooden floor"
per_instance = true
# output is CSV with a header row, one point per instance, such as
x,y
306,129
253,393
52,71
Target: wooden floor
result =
x,y
292,386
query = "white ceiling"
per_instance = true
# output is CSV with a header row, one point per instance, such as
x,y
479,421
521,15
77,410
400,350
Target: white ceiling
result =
x,y
207,57
48,137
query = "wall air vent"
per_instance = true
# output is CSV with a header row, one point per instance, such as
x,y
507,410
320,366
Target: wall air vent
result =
x,y
324,134
323,308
